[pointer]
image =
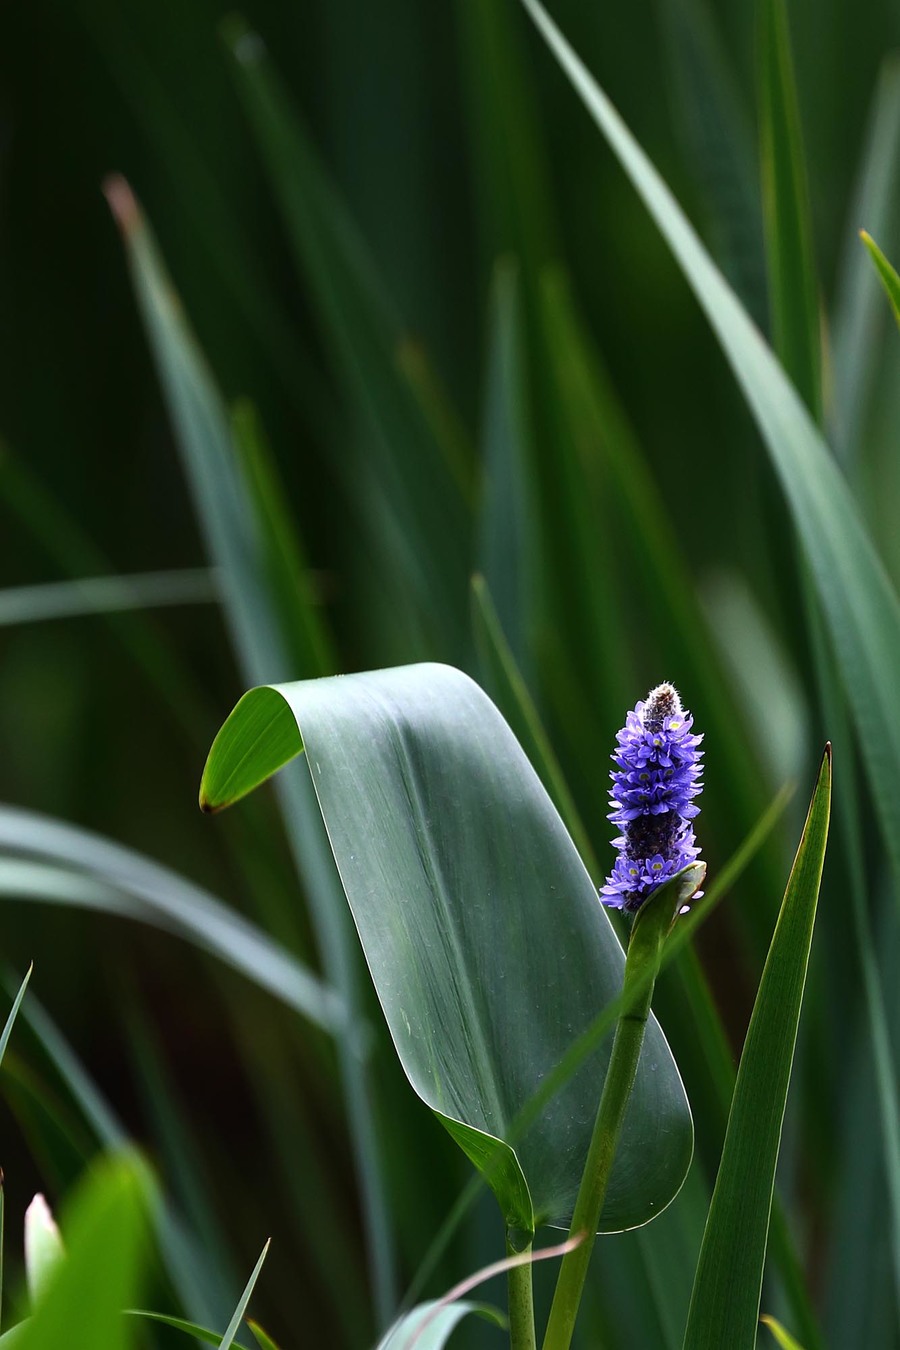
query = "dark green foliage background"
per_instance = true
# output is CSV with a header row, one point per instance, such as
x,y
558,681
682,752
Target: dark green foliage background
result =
x,y
428,118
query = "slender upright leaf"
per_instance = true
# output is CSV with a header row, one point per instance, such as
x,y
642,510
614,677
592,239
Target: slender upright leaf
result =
x,y
728,1283
887,274
859,602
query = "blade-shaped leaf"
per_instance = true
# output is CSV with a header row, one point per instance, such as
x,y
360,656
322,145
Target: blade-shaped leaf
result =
x,y
728,1282
860,604
793,289
72,866
887,274
784,1338
488,948
427,1329
13,1014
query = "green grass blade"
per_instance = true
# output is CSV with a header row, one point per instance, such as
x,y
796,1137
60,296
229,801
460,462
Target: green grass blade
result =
x,y
265,1341
716,130
63,540
728,1283
13,1014
233,540
103,595
232,1329
859,602
507,533
87,869
414,461
784,1339
856,326
886,272
793,288
194,1329
513,696
305,632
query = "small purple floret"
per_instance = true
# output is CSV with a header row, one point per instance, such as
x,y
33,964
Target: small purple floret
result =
x,y
654,783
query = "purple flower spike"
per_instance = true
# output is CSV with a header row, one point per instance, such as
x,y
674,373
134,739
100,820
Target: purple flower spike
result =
x,y
654,783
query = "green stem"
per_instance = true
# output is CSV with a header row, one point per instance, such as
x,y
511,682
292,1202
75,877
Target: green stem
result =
x,y
521,1303
620,1077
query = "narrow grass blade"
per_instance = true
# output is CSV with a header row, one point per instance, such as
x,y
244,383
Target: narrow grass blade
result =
x,y
306,635
793,288
87,869
232,1329
414,461
13,1014
61,537
728,1282
856,325
194,1329
265,1341
858,599
784,1339
513,696
101,595
887,274
716,131
513,173
233,540
205,208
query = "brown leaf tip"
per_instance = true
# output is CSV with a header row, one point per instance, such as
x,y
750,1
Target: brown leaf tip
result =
x,y
122,202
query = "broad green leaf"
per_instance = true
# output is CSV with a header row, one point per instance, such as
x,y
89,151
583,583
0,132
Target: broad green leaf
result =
x,y
43,1247
488,947
104,1232
507,533
784,1338
793,288
887,274
430,1326
728,1283
860,605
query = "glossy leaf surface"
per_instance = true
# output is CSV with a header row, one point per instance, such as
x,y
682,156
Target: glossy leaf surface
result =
x,y
487,945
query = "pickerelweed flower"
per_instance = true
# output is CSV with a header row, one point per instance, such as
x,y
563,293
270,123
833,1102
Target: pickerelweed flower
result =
x,y
654,783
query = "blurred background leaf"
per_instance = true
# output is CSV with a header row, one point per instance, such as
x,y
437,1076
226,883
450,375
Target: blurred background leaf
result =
x,y
440,336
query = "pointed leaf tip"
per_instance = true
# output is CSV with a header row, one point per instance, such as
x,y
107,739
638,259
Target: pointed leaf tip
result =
x,y
122,202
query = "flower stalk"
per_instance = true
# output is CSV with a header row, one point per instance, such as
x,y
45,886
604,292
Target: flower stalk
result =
x,y
656,777
652,927
521,1303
